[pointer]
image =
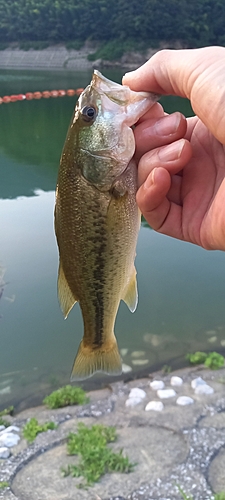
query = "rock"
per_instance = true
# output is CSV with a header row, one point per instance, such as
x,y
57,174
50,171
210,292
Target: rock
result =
x,y
133,402
155,406
137,354
212,339
222,342
2,427
123,351
184,400
4,452
157,384
9,439
126,368
176,381
204,389
5,390
166,393
137,393
196,382
140,362
11,428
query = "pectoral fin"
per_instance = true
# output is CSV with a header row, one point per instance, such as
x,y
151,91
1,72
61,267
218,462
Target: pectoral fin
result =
x,y
66,298
130,294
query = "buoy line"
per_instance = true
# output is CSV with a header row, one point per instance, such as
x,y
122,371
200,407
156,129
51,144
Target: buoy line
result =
x,y
39,95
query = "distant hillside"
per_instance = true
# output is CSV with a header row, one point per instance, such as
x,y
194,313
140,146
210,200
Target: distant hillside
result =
x,y
123,24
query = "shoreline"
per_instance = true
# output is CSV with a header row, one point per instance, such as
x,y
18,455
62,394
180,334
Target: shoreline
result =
x,y
58,57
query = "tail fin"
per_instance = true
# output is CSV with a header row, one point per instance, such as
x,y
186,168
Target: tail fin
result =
x,y
103,359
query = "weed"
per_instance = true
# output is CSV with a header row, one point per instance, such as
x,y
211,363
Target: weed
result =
x,y
7,411
166,369
212,360
66,396
219,496
96,459
32,428
4,484
4,422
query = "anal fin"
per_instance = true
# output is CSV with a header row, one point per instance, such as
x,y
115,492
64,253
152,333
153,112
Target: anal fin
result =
x,y
130,294
66,298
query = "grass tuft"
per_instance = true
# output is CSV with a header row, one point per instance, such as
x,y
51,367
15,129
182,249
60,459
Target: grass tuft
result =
x,y
4,484
33,428
96,459
66,396
212,360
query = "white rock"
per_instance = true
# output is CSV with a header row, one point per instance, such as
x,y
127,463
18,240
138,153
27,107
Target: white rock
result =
x,y
176,381
184,400
137,393
212,339
123,351
126,368
4,452
2,427
155,406
9,439
166,393
133,401
139,362
11,428
157,384
204,389
222,342
197,381
137,354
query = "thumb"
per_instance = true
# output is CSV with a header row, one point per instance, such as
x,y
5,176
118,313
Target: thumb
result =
x,y
197,74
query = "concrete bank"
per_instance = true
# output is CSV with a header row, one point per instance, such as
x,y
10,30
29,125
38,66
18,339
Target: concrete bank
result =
x,y
179,445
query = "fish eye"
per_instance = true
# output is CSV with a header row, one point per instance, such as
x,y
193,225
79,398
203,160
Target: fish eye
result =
x,y
89,113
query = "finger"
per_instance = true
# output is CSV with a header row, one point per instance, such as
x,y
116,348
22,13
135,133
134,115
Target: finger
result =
x,y
151,134
172,157
156,112
193,73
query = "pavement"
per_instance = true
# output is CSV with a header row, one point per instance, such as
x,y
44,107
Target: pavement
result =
x,y
179,446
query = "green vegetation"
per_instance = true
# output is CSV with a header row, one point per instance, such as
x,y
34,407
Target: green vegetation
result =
x,y
4,484
212,360
33,428
187,21
7,411
4,422
68,395
219,496
96,459
184,496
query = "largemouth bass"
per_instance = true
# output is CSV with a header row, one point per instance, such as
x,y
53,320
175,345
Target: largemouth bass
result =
x,y
97,219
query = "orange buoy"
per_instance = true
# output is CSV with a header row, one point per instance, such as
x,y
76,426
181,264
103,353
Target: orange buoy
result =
x,y
1,100
46,94
29,96
13,98
6,99
70,92
37,95
79,91
61,93
54,93
21,97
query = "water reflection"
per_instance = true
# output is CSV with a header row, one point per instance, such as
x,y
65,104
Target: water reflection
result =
x,y
181,287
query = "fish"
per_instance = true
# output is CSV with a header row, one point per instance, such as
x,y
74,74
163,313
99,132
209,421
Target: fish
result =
x,y
97,219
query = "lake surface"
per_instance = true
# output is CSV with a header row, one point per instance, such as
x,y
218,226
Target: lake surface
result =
x,y
181,287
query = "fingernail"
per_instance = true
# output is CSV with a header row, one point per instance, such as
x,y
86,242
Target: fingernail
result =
x,y
168,124
171,152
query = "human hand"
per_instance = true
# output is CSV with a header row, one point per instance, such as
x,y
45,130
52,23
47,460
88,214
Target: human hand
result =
x,y
181,169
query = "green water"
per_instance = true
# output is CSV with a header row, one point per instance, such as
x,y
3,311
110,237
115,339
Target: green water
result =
x,y
181,287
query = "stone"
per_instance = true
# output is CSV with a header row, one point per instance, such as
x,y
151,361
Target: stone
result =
x,y
137,393
157,384
9,439
126,368
4,452
196,382
123,351
166,393
137,354
11,428
222,342
139,362
204,389
130,402
176,381
155,406
5,390
212,339
184,400
2,427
